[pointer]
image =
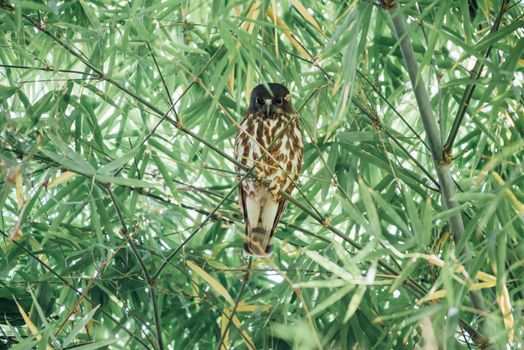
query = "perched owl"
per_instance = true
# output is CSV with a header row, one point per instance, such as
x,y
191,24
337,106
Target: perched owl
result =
x,y
270,137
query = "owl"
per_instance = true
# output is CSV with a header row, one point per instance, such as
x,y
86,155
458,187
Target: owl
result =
x,y
270,139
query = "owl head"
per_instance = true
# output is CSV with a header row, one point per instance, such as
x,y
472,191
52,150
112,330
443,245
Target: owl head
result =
x,y
270,102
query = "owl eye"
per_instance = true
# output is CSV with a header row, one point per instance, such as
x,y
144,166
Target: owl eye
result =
x,y
278,100
259,100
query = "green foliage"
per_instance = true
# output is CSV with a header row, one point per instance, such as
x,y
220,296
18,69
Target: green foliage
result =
x,y
120,225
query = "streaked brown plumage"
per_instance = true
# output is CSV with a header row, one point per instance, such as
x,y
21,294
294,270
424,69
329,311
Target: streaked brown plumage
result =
x,y
270,137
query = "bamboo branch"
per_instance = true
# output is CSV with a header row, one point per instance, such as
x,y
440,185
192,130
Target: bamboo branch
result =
x,y
375,119
447,186
470,88
383,98
46,69
150,281
239,297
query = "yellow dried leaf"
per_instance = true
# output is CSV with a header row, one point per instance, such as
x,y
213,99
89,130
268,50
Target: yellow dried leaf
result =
x,y
482,285
64,177
439,294
16,233
337,85
274,5
251,308
30,325
289,34
252,14
514,200
223,324
485,277
505,307
304,13
19,189
231,79
247,338
428,334
435,260
213,283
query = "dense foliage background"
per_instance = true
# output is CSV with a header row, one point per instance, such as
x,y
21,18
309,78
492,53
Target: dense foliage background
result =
x,y
119,216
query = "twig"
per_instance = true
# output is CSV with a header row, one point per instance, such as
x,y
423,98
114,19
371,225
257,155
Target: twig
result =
x,y
168,93
47,69
470,88
384,98
239,297
374,119
211,214
147,276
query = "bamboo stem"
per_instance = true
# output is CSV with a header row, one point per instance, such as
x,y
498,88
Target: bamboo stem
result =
x,y
447,186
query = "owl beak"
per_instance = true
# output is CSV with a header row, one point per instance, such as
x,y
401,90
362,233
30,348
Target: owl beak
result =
x,y
268,105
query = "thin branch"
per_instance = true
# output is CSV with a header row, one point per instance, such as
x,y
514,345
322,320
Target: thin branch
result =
x,y
150,281
384,98
470,88
197,229
173,104
376,120
237,302
47,69
168,93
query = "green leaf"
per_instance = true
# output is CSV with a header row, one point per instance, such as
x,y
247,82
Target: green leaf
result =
x,y
357,136
117,163
95,345
117,180
7,91
332,299
330,266
79,326
354,303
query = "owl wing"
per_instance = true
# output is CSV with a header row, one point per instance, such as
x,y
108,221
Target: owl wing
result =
x,y
283,203
281,207
247,187
241,203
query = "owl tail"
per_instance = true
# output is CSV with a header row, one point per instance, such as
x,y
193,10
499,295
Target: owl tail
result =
x,y
258,241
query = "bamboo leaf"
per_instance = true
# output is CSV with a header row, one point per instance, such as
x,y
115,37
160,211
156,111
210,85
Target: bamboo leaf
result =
x,y
354,303
60,179
213,283
79,326
302,10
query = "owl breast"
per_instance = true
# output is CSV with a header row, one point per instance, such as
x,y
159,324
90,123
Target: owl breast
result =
x,y
275,147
